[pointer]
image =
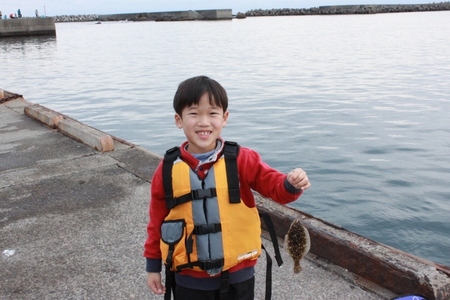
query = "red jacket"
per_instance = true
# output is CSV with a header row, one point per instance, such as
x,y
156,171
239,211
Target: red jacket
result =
x,y
254,174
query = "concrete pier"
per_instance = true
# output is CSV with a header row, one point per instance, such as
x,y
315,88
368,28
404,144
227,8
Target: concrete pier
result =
x,y
73,219
189,15
27,27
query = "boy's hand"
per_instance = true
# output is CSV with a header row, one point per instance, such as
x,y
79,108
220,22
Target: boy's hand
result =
x,y
155,284
298,179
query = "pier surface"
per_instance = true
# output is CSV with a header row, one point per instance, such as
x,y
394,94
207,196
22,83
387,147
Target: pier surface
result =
x,y
73,218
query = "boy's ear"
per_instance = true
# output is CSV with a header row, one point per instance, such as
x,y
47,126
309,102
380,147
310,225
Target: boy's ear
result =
x,y
225,118
178,121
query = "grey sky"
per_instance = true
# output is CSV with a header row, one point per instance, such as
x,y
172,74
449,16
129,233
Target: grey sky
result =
x,y
74,7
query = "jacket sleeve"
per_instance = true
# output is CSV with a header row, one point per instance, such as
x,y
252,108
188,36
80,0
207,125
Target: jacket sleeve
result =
x,y
260,177
157,212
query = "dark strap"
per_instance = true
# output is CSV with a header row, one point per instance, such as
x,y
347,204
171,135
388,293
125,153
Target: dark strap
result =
x,y
170,156
276,248
170,283
170,276
224,285
230,152
273,236
204,265
268,295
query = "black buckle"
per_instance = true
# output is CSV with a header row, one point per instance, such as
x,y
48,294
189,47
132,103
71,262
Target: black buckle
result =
x,y
203,193
211,264
169,258
208,228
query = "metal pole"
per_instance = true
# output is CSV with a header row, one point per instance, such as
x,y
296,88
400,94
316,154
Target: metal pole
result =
x,y
45,13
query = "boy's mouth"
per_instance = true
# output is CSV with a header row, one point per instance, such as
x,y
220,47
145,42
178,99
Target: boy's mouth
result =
x,y
204,133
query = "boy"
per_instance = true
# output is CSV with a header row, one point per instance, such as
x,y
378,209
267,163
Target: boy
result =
x,y
205,231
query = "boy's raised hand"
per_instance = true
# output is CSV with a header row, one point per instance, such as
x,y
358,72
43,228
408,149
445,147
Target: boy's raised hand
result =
x,y
298,179
154,283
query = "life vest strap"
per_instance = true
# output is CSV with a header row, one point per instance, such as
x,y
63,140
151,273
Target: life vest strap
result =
x,y
171,155
199,194
273,236
230,151
268,294
203,265
224,285
207,228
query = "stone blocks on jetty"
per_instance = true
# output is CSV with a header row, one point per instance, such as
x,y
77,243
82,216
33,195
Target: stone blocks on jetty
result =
x,y
350,9
76,18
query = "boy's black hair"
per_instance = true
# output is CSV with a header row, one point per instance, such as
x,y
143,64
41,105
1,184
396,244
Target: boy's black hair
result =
x,y
191,90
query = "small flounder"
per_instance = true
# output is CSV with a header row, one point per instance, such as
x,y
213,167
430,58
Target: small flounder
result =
x,y
297,243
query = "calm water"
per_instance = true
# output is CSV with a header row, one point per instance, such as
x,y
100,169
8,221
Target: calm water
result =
x,y
360,102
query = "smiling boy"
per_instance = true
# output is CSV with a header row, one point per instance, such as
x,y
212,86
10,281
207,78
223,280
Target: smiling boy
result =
x,y
206,232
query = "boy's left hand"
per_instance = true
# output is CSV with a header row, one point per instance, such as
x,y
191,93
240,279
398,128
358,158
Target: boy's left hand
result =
x,y
298,179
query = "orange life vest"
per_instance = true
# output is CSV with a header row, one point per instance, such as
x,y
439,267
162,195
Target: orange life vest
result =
x,y
206,228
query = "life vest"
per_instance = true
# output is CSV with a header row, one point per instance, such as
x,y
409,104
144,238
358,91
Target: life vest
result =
x,y
208,228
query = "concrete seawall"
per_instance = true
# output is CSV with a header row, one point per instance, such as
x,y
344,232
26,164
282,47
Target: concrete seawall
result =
x,y
27,27
189,15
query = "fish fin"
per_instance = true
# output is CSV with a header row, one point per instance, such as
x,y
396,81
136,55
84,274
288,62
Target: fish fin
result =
x,y
285,244
308,240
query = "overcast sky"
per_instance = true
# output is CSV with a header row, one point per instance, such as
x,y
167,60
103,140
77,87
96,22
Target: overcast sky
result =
x,y
75,7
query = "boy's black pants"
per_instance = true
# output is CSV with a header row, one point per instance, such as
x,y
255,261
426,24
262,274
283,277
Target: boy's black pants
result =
x,y
239,291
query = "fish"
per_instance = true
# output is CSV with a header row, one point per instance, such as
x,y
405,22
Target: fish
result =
x,y
297,243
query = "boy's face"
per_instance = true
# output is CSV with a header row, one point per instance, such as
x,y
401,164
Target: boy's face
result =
x,y
202,125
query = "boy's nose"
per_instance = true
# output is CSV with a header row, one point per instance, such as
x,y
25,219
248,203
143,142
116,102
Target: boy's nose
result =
x,y
203,120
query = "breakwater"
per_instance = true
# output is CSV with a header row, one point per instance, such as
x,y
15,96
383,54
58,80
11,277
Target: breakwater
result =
x,y
189,15
226,14
350,9
76,18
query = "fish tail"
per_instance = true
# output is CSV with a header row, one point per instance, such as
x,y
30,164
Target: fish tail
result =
x,y
297,267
